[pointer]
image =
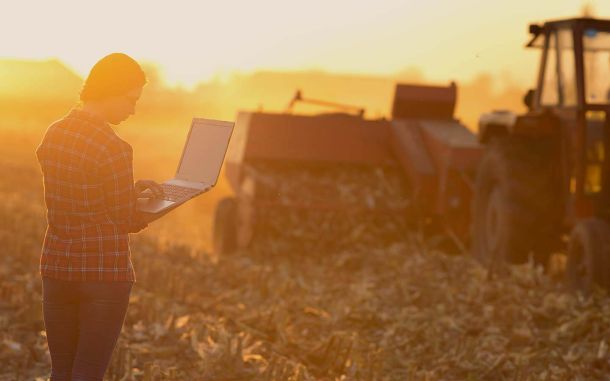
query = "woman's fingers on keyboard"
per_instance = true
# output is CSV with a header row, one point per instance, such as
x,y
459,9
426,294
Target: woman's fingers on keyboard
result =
x,y
146,193
143,185
157,190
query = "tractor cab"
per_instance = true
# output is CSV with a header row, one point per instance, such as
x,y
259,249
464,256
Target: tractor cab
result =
x,y
575,65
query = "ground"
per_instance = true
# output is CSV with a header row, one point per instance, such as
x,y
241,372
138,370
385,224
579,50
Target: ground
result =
x,y
398,310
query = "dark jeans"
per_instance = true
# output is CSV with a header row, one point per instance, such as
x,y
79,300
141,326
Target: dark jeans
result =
x,y
83,321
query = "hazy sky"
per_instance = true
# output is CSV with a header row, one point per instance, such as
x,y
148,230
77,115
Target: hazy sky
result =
x,y
191,40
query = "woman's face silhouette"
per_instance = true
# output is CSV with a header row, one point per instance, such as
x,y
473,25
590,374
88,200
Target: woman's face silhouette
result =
x,y
117,109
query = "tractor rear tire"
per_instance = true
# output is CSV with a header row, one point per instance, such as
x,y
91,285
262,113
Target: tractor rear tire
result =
x,y
225,227
515,210
589,256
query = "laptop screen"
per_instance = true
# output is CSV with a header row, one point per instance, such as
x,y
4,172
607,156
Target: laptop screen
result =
x,y
204,151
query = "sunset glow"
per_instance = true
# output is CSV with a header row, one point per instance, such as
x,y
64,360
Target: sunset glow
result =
x,y
320,190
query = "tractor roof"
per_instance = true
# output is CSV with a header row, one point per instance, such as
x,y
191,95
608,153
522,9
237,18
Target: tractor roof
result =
x,y
582,23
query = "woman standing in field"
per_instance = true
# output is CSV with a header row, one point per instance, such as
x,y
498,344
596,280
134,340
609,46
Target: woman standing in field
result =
x,y
86,269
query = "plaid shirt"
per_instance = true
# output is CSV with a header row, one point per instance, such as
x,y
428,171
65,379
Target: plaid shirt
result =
x,y
90,198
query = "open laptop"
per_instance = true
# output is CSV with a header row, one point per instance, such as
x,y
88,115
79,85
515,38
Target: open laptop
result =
x,y
199,167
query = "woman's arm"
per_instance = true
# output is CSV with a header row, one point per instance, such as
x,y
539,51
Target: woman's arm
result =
x,y
120,195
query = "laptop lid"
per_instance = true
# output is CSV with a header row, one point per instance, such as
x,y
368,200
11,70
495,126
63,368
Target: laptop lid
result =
x,y
204,151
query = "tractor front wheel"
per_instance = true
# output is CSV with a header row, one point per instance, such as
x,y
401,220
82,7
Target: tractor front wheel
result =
x,y
589,255
515,212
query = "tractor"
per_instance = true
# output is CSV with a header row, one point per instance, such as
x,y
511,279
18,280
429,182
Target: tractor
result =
x,y
543,183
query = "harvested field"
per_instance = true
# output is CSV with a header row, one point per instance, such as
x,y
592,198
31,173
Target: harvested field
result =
x,y
387,309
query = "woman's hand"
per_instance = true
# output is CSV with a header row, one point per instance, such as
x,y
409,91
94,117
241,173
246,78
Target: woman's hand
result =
x,y
148,189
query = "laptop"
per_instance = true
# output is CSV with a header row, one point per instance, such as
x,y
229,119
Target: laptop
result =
x,y
199,167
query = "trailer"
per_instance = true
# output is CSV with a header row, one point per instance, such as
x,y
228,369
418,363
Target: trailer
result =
x,y
423,149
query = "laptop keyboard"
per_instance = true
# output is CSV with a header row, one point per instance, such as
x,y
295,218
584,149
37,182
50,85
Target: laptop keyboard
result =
x,y
177,193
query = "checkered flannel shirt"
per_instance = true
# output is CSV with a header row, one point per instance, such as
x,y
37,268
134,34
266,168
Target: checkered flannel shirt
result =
x,y
91,202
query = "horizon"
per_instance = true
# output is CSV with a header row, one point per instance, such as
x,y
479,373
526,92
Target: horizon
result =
x,y
410,73
45,81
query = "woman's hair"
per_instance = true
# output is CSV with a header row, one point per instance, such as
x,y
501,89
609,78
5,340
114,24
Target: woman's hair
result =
x,y
115,74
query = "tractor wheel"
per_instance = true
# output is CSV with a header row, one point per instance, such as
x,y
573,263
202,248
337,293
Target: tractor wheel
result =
x,y
589,255
514,208
225,227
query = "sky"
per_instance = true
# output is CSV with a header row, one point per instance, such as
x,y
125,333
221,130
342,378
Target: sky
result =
x,y
192,41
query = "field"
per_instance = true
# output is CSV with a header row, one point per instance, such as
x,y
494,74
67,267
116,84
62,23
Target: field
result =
x,y
377,310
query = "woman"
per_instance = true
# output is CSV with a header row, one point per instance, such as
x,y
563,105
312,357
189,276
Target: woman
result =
x,y
90,196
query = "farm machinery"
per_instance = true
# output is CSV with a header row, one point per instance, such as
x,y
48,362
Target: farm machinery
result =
x,y
329,170
525,186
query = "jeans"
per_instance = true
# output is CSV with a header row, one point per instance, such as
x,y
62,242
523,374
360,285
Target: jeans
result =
x,y
83,321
